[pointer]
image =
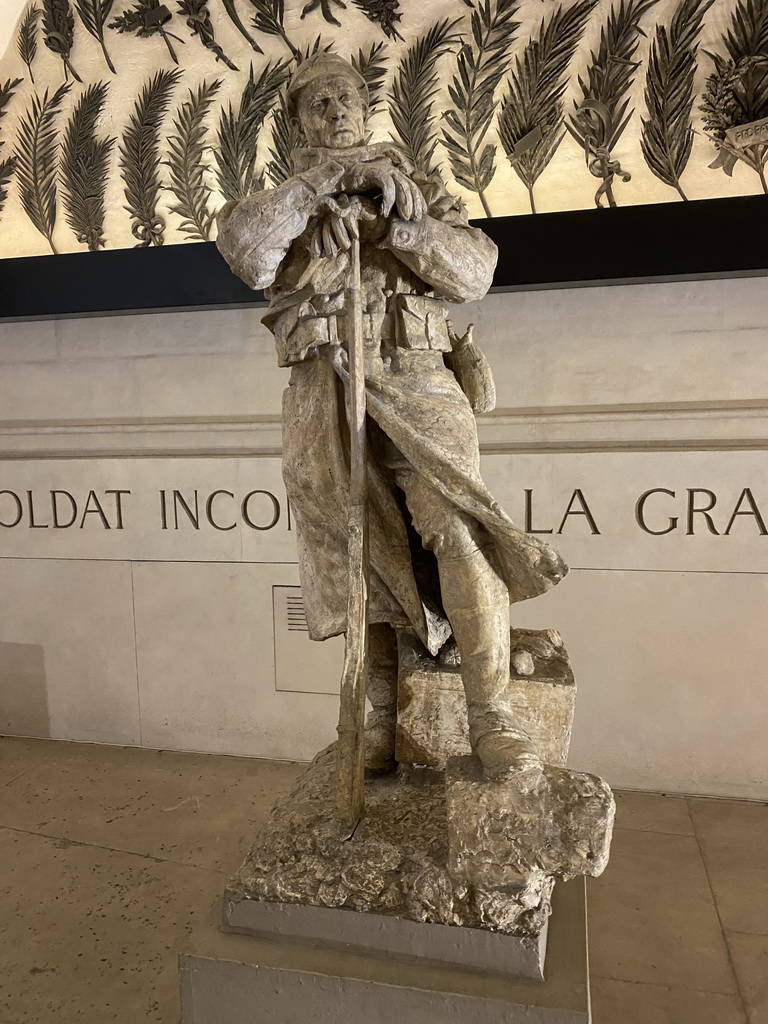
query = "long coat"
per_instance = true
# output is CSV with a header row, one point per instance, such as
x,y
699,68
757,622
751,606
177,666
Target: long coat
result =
x,y
412,397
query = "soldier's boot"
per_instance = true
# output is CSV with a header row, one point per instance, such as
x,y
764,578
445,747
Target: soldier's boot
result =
x,y
476,601
381,723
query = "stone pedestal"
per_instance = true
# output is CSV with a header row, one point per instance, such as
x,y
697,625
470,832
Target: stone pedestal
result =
x,y
432,713
310,982
447,880
439,851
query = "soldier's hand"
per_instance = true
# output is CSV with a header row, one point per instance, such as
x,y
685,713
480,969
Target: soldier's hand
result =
x,y
338,358
338,224
395,186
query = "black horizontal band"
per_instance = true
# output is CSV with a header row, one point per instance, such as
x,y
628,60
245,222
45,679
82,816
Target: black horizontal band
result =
x,y
707,238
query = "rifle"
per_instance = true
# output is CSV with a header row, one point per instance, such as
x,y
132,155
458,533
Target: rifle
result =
x,y
350,750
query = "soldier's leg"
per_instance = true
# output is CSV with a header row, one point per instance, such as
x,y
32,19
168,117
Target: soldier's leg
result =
x,y
476,601
382,694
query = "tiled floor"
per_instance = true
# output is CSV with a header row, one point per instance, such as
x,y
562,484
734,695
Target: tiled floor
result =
x,y
112,861
679,921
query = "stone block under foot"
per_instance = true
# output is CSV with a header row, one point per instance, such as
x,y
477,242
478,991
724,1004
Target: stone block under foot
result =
x,y
432,712
292,983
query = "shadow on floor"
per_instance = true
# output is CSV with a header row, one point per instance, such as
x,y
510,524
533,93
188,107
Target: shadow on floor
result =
x,y
23,690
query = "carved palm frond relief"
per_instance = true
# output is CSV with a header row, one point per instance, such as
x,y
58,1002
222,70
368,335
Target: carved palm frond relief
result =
x,y
269,19
239,128
26,40
643,87
372,65
481,64
94,14
603,111
37,154
736,92
188,147
7,89
199,22
83,168
140,159
414,91
667,135
7,164
59,32
286,136
531,120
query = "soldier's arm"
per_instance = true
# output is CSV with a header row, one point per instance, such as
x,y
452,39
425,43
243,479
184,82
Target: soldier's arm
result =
x,y
256,233
444,251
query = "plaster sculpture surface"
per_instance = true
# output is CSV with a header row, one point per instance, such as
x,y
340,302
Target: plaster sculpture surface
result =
x,y
357,252
444,557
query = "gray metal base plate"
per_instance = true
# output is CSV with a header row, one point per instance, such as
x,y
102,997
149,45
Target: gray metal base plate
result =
x,y
379,935
289,982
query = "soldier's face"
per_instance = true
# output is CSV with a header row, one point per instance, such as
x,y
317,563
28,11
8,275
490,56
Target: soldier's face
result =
x,y
332,113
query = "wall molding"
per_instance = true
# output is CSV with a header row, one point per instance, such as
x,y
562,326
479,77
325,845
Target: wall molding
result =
x,y
678,426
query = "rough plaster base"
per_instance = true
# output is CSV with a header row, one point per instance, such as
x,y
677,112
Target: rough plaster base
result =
x,y
395,864
280,992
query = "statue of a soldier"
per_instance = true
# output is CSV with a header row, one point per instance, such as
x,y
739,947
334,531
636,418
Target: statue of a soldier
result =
x,y
445,559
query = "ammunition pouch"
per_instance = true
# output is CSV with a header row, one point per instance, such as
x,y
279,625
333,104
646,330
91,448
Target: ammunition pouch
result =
x,y
420,323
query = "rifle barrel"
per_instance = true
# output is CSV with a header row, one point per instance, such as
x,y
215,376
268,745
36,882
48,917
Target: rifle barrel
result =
x,y
350,755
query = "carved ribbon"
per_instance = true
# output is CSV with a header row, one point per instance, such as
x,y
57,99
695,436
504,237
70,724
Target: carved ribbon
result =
x,y
148,234
603,167
600,164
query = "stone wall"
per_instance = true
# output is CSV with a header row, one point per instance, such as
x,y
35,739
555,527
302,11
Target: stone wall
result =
x,y
172,620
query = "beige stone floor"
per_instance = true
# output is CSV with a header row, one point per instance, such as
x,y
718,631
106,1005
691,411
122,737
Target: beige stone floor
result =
x,y
112,860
